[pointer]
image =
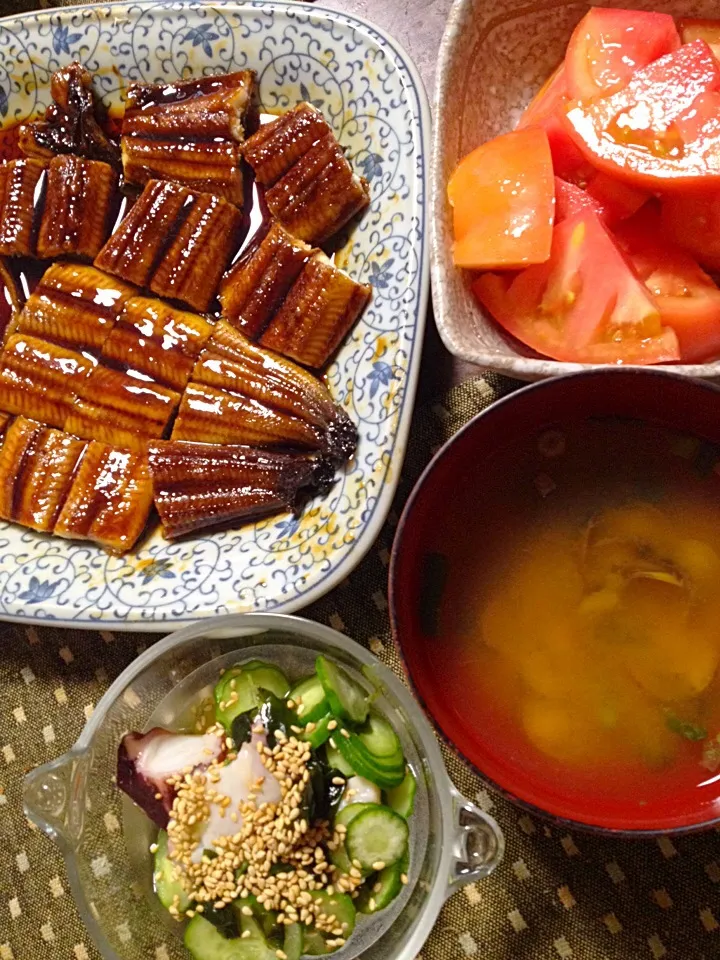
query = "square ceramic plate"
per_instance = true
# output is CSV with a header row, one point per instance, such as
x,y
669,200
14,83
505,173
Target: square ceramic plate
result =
x,y
371,94
494,57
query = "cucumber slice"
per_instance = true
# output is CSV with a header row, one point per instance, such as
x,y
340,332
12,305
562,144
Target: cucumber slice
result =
x,y
385,773
378,835
310,700
340,907
320,734
402,799
234,693
336,761
293,942
205,942
314,943
381,888
268,677
265,920
344,818
347,700
167,887
380,740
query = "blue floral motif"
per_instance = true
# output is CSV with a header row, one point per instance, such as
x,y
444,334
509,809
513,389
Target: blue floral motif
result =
x,y
62,38
371,166
381,375
38,590
157,568
288,526
380,276
300,53
201,37
305,95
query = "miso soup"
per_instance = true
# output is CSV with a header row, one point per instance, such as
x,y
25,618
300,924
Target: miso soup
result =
x,y
580,617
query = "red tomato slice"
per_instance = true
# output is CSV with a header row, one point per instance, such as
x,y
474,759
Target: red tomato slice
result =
x,y
707,30
636,134
585,304
547,110
503,199
609,45
692,220
688,299
619,200
571,199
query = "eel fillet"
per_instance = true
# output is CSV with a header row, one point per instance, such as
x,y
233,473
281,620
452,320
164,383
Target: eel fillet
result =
x,y
310,186
109,500
70,124
174,242
190,132
37,467
199,485
240,393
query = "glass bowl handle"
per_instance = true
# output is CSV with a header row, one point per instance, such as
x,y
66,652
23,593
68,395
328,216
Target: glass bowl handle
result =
x,y
478,843
54,797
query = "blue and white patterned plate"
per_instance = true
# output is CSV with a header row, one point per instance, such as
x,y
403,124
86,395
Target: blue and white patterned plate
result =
x,y
371,94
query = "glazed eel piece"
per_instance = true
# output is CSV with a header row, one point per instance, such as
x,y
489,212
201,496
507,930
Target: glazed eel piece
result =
x,y
71,124
56,483
190,131
240,393
65,206
292,298
309,184
198,485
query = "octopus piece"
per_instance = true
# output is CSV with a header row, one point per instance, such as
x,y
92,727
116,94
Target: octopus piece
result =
x,y
174,242
109,500
74,306
70,124
321,307
253,290
190,132
310,186
37,466
198,486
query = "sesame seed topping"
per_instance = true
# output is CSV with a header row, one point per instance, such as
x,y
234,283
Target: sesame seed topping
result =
x,y
332,725
379,865
404,879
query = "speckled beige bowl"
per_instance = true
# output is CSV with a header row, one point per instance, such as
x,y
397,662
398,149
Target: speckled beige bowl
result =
x,y
494,57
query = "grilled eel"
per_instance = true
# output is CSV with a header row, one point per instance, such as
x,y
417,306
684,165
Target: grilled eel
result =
x,y
55,483
64,207
240,393
199,485
70,124
292,298
309,183
190,132
175,242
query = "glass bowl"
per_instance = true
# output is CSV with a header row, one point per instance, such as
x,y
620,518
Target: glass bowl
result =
x,y
104,839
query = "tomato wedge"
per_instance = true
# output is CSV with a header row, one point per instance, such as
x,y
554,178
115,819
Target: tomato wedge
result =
x,y
585,304
688,299
503,199
547,110
609,45
609,198
707,30
650,133
571,199
692,220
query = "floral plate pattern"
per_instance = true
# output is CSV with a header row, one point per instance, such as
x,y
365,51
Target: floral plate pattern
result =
x,y
370,93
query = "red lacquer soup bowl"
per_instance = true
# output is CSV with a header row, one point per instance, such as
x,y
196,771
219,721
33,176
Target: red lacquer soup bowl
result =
x,y
464,503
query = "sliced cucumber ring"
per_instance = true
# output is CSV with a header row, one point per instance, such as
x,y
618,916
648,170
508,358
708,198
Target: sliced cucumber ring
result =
x,y
402,799
347,699
309,698
377,838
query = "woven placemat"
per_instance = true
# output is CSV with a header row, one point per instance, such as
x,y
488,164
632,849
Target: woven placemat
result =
x,y
556,896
